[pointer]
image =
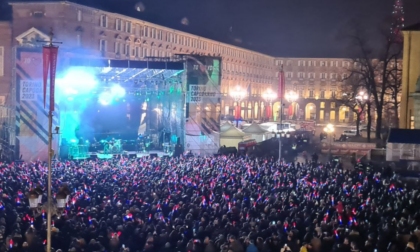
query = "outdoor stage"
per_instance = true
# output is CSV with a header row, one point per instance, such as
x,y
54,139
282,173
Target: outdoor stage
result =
x,y
94,155
118,106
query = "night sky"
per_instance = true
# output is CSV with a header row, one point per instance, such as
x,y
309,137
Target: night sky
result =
x,y
286,28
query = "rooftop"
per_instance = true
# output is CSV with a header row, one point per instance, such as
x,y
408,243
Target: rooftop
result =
x,y
404,136
413,27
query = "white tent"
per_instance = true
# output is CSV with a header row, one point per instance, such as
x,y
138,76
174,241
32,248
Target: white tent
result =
x,y
225,127
257,132
231,137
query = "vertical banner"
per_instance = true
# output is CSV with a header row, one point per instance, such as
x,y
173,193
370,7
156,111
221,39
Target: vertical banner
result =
x,y
282,85
46,55
268,111
202,125
237,112
53,65
31,116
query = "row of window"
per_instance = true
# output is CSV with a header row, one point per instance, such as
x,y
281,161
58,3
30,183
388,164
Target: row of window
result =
x,y
304,75
311,93
1,60
326,63
145,31
247,70
314,63
124,49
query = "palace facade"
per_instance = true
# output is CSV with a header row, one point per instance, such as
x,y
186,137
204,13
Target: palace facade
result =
x,y
92,31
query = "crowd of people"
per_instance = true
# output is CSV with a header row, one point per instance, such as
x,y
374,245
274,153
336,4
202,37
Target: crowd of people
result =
x,y
209,204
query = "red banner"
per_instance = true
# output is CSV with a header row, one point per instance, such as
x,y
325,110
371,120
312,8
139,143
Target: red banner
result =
x,y
53,68
46,67
282,85
268,111
237,112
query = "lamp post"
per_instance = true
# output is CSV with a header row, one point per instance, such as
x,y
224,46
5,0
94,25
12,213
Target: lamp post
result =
x,y
237,95
290,96
361,98
329,129
51,56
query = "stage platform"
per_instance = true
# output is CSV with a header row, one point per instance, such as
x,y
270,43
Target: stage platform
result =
x,y
153,153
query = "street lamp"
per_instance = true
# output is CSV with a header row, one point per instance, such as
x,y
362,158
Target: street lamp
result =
x,y
291,96
362,97
237,95
269,96
329,129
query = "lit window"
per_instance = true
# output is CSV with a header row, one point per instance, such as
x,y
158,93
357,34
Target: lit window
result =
x,y
412,122
79,15
146,31
118,24
117,47
78,39
104,21
102,45
1,61
332,105
128,27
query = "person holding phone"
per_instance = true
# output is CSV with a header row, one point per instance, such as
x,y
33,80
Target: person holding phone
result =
x,y
286,248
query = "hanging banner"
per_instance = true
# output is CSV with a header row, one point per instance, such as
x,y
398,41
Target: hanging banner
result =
x,y
46,55
53,65
268,111
202,125
237,112
197,93
30,90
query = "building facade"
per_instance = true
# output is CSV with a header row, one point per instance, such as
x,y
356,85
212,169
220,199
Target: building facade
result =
x,y
5,62
90,31
409,112
316,82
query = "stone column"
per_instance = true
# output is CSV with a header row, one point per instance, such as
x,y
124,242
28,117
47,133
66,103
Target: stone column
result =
x,y
416,111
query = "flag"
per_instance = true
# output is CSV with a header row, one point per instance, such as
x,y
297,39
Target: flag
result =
x,y
282,84
237,112
49,58
46,68
53,65
268,111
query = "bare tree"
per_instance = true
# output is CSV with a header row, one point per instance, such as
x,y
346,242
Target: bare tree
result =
x,y
354,96
373,66
394,90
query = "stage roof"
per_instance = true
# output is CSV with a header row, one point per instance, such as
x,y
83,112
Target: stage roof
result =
x,y
167,65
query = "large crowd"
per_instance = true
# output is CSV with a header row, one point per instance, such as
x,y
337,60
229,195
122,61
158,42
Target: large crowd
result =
x,y
198,204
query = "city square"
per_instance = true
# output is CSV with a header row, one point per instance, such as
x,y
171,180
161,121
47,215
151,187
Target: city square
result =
x,y
129,126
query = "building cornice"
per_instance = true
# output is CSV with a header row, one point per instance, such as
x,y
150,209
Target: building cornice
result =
x,y
182,33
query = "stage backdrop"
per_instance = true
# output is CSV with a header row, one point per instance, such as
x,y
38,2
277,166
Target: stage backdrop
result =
x,y
203,105
31,117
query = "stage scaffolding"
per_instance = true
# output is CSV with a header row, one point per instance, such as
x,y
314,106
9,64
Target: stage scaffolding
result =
x,y
7,133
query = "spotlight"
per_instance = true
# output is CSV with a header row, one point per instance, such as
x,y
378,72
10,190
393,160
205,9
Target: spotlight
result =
x,y
105,98
118,91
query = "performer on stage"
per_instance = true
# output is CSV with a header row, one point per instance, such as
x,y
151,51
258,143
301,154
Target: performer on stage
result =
x,y
81,142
